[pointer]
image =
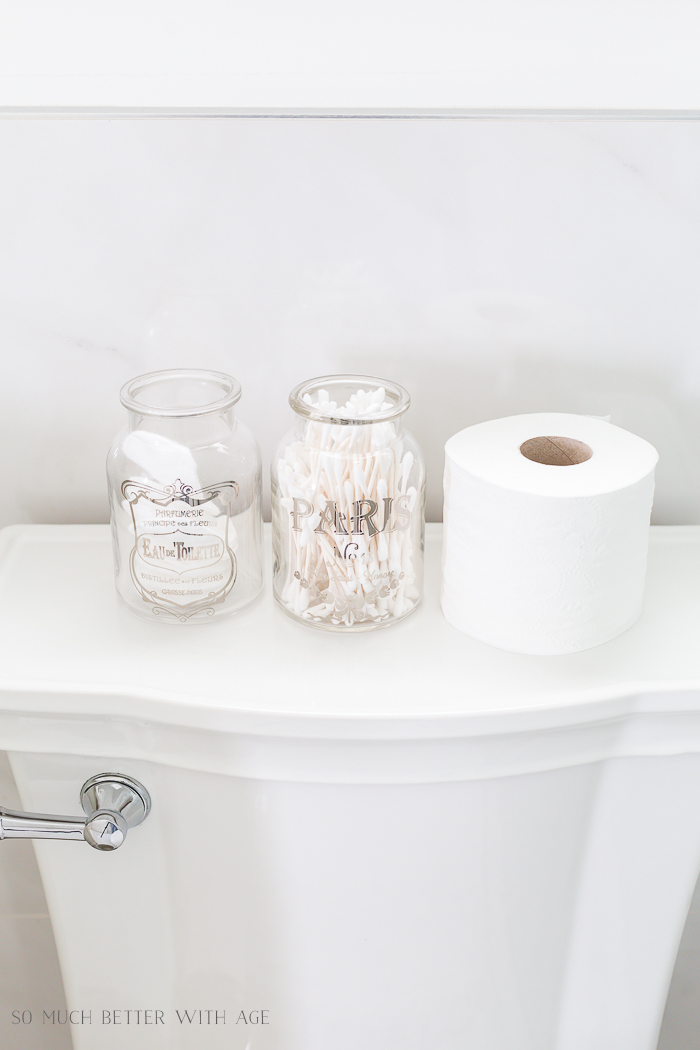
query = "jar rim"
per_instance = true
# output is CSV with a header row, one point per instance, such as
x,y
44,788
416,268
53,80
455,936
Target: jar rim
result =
x,y
129,393
393,392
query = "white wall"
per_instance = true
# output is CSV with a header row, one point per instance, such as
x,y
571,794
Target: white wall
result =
x,y
371,53
490,266
681,1024
30,978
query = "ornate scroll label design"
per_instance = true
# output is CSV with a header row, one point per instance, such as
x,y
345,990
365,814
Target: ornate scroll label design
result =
x,y
182,562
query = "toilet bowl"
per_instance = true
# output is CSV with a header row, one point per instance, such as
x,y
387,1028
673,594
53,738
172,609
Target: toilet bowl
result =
x,y
401,839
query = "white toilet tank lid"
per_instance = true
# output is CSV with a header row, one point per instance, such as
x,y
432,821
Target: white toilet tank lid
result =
x,y
71,652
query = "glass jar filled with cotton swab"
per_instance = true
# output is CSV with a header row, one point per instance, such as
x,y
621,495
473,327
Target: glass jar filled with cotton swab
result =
x,y
348,497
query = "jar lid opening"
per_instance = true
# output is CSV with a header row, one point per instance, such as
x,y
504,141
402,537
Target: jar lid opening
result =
x,y
180,392
349,400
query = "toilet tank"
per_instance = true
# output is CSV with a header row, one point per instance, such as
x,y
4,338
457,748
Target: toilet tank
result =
x,y
399,839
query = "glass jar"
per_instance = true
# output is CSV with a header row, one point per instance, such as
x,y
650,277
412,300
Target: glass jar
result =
x,y
185,499
348,496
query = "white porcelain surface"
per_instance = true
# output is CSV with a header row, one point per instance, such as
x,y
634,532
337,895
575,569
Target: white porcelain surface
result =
x,y
509,854
544,908
77,653
492,267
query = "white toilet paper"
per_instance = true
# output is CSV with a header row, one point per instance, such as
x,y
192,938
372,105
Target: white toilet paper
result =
x,y
543,558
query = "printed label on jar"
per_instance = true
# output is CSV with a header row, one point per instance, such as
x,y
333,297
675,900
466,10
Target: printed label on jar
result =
x,y
350,563
182,562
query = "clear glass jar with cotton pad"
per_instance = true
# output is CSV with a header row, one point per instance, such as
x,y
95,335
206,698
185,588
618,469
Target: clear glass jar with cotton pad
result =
x,y
348,497
185,499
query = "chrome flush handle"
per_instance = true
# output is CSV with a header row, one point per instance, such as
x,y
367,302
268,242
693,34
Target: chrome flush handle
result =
x,y
112,803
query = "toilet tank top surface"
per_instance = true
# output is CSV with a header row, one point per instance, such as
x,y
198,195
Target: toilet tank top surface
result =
x,y
259,695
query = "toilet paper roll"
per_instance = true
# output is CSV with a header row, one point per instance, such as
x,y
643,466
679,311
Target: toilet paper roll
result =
x,y
546,531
